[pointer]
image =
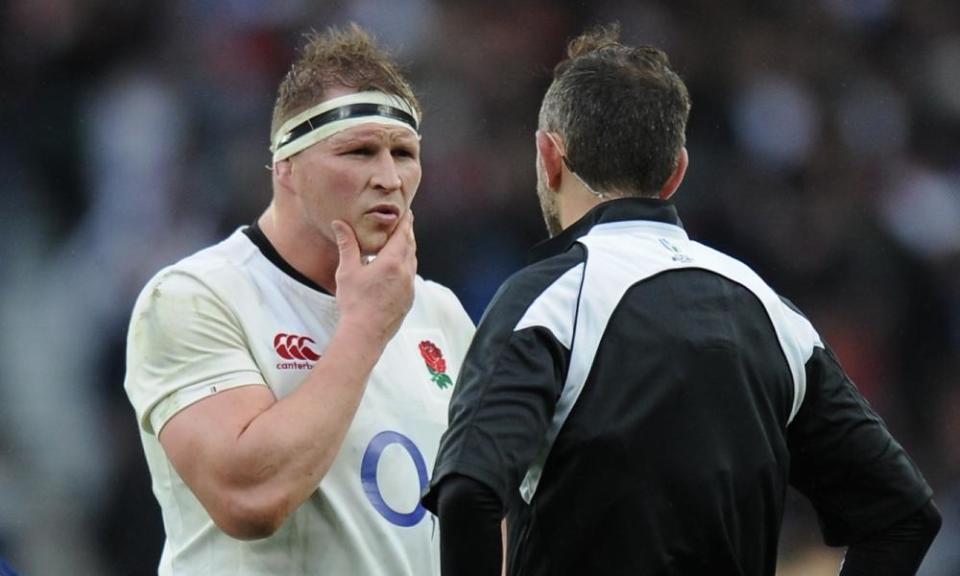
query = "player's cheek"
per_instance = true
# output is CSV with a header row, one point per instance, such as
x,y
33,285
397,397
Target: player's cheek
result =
x,y
411,182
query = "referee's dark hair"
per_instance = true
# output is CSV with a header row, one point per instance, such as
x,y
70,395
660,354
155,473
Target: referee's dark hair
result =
x,y
621,111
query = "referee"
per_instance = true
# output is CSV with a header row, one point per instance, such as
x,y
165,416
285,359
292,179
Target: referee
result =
x,y
635,402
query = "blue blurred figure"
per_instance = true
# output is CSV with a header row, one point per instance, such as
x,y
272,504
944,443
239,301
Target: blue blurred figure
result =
x,y
6,569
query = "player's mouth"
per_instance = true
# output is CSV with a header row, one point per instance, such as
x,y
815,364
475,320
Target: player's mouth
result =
x,y
384,213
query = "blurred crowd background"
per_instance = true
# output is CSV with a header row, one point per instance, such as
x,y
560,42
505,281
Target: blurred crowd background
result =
x,y
825,151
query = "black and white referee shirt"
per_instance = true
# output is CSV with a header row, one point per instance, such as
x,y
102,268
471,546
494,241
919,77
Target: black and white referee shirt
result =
x,y
639,402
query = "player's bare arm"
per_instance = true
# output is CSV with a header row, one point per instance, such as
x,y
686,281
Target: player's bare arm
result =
x,y
251,459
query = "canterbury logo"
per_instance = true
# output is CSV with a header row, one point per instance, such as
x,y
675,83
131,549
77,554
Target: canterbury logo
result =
x,y
294,347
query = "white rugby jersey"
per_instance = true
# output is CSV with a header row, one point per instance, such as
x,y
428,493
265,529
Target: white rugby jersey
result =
x,y
229,316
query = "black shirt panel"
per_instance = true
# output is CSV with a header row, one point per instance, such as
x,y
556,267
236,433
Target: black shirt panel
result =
x,y
509,383
859,479
673,460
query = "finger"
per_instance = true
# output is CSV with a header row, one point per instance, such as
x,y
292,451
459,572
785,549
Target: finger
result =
x,y
413,236
410,244
346,243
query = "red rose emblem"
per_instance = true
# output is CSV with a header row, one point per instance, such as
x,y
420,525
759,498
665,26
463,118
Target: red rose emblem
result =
x,y
433,356
435,363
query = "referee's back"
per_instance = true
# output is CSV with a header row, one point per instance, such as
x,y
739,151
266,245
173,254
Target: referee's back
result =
x,y
675,454
639,403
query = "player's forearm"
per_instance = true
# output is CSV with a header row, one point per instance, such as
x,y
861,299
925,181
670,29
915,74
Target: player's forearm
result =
x,y
278,459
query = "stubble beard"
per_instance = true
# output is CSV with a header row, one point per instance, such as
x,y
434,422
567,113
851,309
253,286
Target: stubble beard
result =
x,y
549,207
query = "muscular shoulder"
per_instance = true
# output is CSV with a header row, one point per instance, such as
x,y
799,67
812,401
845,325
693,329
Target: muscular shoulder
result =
x,y
438,305
215,270
185,331
432,293
219,264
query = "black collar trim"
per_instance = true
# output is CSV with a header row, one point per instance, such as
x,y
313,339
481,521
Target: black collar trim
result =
x,y
610,211
259,239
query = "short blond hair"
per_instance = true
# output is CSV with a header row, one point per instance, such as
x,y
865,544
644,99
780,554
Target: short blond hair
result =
x,y
347,57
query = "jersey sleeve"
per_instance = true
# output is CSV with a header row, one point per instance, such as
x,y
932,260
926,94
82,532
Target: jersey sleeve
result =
x,y
858,478
507,391
500,411
183,345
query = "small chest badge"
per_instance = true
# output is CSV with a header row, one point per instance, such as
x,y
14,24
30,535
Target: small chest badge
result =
x,y
437,366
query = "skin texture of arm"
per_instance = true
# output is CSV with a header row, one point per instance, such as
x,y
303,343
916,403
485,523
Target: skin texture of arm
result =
x,y
250,459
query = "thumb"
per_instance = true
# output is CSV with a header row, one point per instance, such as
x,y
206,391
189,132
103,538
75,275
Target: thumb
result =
x,y
346,242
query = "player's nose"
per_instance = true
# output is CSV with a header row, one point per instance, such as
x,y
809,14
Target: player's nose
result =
x,y
385,174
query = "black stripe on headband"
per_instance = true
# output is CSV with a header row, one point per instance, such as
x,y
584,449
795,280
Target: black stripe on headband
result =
x,y
343,113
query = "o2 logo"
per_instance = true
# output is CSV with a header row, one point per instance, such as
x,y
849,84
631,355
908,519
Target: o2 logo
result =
x,y
368,476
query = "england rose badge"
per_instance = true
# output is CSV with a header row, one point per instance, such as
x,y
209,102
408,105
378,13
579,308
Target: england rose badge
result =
x,y
433,357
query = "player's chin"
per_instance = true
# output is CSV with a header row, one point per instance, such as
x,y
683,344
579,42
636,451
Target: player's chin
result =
x,y
372,241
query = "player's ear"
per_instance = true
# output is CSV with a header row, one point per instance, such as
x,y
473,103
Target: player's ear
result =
x,y
282,172
550,156
673,182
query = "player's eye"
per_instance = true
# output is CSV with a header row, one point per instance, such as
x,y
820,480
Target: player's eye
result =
x,y
403,153
361,151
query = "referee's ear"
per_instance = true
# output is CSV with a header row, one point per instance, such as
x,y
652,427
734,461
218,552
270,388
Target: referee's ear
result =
x,y
673,182
551,158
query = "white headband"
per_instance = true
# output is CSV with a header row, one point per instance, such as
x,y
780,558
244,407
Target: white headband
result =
x,y
338,114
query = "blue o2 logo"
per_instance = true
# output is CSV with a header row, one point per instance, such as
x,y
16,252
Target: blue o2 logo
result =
x,y
368,475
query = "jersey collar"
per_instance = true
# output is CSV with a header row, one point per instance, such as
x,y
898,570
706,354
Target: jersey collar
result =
x,y
259,239
622,209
